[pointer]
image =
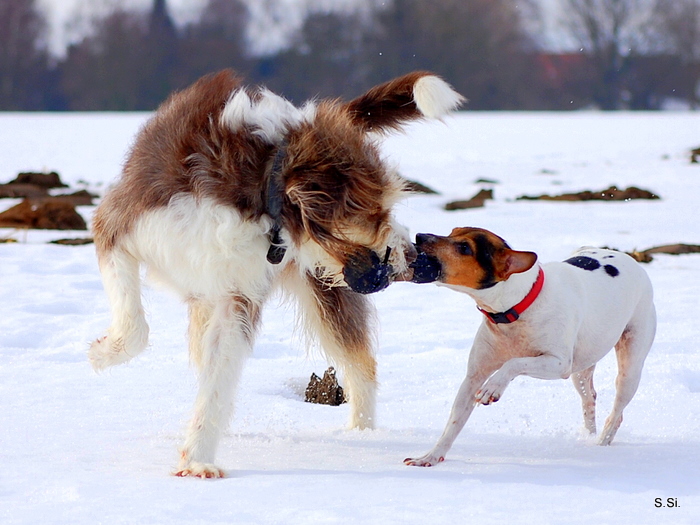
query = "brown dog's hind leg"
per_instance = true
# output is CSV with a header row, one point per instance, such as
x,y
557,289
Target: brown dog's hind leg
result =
x,y
221,338
200,313
341,321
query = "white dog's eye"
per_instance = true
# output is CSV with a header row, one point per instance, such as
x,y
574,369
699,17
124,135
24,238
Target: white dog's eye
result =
x,y
464,249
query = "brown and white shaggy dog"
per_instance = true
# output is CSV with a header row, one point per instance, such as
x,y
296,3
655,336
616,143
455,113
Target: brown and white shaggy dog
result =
x,y
230,192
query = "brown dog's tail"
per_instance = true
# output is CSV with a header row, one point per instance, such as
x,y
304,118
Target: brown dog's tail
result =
x,y
411,97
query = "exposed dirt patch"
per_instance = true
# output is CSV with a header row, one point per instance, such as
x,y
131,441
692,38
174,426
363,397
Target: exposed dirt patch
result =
x,y
43,214
39,210
73,242
22,191
477,201
613,193
694,155
43,180
417,187
645,256
79,198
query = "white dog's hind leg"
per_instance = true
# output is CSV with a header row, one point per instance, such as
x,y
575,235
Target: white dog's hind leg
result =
x,y
127,335
583,381
227,340
631,351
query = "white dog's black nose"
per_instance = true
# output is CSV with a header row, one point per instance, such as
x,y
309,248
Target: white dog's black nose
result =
x,y
422,238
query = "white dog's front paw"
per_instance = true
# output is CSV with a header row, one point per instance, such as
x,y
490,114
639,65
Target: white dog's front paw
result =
x,y
492,390
429,460
200,470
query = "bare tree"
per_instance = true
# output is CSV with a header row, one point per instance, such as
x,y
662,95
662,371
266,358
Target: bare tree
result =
x,y
161,51
608,32
105,70
678,32
480,46
215,41
126,62
324,59
23,55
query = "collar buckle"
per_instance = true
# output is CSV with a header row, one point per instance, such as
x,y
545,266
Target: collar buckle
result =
x,y
512,315
501,317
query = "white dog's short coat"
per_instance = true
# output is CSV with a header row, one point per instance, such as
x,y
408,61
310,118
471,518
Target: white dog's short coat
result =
x,y
546,321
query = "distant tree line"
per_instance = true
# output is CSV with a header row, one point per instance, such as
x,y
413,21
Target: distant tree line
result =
x,y
633,54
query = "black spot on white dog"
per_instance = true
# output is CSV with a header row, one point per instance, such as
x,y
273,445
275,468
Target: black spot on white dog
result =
x,y
611,270
583,262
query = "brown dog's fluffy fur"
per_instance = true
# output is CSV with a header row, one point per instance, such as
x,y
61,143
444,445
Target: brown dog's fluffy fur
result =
x,y
196,205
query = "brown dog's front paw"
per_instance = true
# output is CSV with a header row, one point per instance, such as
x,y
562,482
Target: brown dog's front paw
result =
x,y
426,461
200,470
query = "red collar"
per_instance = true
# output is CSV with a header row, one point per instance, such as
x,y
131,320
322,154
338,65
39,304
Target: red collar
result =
x,y
514,313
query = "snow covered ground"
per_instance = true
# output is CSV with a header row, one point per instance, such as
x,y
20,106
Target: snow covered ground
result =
x,y
82,448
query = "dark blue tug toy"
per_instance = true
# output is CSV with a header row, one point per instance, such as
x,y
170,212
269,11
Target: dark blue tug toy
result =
x,y
365,273
426,268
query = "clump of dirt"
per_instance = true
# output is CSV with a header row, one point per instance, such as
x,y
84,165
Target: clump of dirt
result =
x,y
73,242
325,391
79,198
694,155
33,185
645,256
417,187
39,210
43,180
613,193
22,191
477,201
43,214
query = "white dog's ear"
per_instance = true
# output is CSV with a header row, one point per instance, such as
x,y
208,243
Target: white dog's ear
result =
x,y
411,97
509,262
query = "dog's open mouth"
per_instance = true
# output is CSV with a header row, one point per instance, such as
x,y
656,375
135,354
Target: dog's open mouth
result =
x,y
366,273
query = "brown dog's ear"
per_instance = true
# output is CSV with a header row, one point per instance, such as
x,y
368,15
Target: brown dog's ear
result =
x,y
509,262
411,97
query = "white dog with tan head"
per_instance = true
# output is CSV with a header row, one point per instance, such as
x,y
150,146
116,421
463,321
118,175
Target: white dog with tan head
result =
x,y
548,321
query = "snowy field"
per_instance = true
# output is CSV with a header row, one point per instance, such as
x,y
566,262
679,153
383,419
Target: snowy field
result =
x,y
82,448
